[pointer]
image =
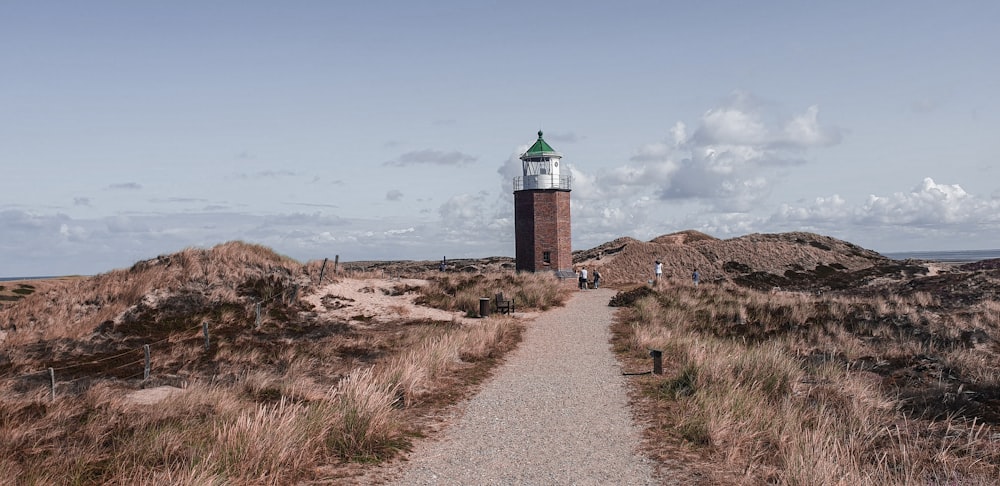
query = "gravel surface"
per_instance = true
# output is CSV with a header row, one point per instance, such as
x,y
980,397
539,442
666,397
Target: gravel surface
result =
x,y
555,413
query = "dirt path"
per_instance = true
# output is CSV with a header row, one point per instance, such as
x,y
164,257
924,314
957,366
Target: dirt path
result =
x,y
555,413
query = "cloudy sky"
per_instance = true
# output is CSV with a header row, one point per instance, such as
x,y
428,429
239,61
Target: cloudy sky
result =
x,y
391,130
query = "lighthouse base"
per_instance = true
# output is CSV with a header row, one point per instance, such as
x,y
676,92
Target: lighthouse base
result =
x,y
542,233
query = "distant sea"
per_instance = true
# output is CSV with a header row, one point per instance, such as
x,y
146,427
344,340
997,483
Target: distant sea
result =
x,y
8,279
956,256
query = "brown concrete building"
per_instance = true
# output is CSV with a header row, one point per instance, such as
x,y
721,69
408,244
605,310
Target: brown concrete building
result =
x,y
542,213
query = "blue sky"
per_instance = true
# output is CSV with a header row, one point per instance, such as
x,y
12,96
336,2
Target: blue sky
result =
x,y
391,130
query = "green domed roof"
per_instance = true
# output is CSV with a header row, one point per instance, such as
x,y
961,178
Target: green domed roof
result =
x,y
540,147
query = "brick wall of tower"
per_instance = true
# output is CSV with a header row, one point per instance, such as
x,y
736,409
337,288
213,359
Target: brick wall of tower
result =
x,y
542,224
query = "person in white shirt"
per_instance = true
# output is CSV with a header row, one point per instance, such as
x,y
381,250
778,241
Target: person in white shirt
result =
x,y
583,278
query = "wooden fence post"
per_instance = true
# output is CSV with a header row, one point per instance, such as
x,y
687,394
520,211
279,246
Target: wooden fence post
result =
x,y
204,328
52,378
321,271
336,263
257,311
145,372
657,356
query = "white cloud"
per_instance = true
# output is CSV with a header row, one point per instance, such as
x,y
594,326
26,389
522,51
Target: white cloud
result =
x,y
628,180
805,131
655,151
266,174
833,208
679,133
394,195
461,209
585,186
729,162
929,216
731,125
72,233
931,203
747,120
428,156
128,186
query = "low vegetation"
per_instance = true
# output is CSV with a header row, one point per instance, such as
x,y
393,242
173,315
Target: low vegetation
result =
x,y
461,292
796,388
288,397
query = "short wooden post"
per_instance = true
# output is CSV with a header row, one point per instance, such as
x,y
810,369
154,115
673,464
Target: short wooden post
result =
x,y
52,378
336,263
257,311
145,372
204,328
321,271
657,361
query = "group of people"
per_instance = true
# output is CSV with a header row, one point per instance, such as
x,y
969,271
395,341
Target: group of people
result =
x,y
658,272
585,283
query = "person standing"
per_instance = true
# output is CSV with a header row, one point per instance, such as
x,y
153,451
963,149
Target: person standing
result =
x,y
659,270
597,278
694,277
583,278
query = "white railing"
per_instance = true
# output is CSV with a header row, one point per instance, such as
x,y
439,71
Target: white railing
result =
x,y
563,184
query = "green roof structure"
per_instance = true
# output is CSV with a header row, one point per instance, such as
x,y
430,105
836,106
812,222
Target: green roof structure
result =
x,y
540,147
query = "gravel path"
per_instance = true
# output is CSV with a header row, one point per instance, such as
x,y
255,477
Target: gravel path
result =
x,y
555,413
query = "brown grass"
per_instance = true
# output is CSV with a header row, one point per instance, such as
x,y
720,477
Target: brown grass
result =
x,y
627,261
294,399
462,293
798,389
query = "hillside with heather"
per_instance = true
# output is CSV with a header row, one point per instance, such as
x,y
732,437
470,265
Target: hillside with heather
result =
x,y
237,365
790,261
776,258
796,261
318,371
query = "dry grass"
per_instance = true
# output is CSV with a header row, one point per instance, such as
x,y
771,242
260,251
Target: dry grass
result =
x,y
293,399
215,276
459,292
628,261
798,389
259,429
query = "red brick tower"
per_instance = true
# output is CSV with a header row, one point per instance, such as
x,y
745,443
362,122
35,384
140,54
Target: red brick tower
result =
x,y
541,212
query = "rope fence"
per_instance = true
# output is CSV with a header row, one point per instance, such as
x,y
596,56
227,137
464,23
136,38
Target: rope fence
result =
x,y
143,362
287,296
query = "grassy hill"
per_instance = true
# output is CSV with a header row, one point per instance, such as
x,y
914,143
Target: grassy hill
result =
x,y
819,329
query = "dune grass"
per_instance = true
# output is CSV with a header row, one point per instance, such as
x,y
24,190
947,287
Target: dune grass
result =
x,y
797,389
263,427
539,291
294,399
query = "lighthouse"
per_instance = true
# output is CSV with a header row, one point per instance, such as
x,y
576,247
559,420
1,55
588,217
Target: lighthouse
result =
x,y
541,212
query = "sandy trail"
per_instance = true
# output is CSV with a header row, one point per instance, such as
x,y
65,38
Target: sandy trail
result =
x,y
555,413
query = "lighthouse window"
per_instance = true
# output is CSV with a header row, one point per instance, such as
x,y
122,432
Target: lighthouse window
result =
x,y
547,257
